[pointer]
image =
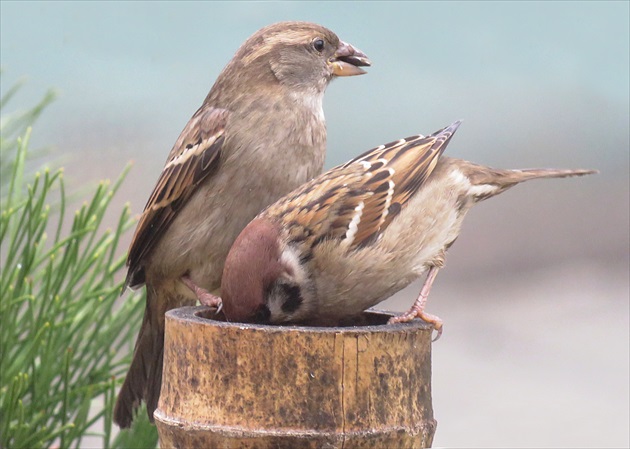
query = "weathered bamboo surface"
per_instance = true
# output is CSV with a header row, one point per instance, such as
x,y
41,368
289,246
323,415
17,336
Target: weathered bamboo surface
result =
x,y
228,385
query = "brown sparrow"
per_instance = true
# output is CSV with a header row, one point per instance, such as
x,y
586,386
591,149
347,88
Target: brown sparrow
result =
x,y
357,234
259,134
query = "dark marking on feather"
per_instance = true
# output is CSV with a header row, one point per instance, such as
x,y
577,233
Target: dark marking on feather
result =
x,y
393,143
368,240
319,201
177,203
380,176
394,209
382,188
293,299
376,165
484,196
209,157
306,257
318,240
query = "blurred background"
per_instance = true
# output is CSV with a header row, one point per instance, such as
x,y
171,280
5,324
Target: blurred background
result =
x,y
535,295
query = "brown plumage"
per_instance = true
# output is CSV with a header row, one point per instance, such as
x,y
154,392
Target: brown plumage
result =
x,y
259,134
360,232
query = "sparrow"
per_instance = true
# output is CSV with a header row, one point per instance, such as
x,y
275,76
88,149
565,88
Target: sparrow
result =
x,y
359,233
259,134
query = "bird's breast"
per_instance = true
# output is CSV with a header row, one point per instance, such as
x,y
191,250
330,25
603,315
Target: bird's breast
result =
x,y
351,280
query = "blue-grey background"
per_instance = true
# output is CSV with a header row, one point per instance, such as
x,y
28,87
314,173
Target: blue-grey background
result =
x,y
535,293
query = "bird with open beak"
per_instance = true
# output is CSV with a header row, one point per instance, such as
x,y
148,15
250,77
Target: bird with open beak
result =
x,y
359,233
259,134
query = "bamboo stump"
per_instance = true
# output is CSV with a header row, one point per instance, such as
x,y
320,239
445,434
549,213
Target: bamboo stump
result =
x,y
230,385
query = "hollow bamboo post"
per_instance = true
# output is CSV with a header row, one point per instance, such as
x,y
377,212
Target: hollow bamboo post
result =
x,y
230,385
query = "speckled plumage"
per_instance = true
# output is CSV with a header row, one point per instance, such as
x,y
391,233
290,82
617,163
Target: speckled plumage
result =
x,y
259,134
360,232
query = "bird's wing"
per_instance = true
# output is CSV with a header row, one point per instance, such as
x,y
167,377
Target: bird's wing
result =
x,y
355,202
193,158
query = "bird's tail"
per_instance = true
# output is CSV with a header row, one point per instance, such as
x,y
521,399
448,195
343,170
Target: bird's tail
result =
x,y
487,182
145,373
516,176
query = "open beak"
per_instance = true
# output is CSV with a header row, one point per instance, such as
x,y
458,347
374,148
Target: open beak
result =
x,y
347,61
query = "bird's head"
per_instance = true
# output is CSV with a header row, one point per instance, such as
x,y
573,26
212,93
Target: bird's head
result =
x,y
264,279
301,55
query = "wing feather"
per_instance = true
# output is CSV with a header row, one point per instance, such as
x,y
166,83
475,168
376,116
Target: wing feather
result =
x,y
355,202
193,158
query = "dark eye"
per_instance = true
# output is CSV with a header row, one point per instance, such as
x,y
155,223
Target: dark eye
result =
x,y
318,44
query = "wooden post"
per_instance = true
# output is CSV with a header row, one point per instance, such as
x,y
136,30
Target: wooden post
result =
x,y
230,385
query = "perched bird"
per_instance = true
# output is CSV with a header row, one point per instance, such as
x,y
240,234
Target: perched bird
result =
x,y
259,134
360,232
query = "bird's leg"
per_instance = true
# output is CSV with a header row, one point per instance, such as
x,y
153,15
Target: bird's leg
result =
x,y
417,309
204,296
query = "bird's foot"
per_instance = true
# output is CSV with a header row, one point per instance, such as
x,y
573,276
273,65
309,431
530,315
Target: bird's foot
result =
x,y
438,324
204,296
417,309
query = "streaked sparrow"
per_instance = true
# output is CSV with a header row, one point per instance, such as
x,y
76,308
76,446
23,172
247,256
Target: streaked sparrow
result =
x,y
259,134
357,234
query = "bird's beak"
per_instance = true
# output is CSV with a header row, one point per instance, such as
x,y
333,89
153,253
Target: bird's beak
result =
x,y
347,61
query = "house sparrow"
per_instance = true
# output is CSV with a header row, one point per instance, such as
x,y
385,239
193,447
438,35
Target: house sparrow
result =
x,y
259,134
357,234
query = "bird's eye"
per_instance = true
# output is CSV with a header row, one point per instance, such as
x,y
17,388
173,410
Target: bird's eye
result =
x,y
318,44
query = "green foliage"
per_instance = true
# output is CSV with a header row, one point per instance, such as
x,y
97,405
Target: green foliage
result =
x,y
65,339
14,125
